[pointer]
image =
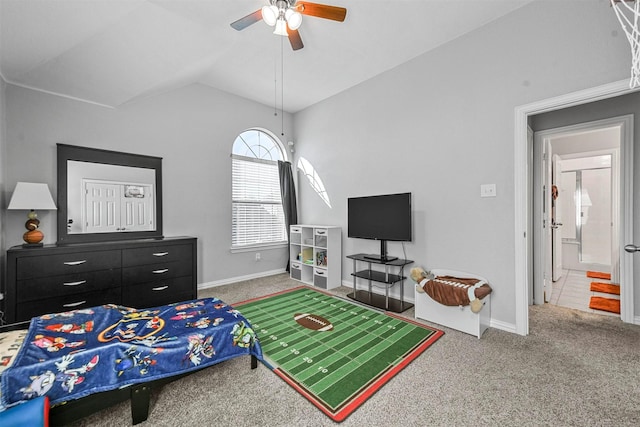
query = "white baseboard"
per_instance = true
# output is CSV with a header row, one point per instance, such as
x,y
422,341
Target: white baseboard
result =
x,y
230,280
503,326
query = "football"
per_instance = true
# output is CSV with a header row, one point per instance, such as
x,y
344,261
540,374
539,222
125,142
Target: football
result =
x,y
313,322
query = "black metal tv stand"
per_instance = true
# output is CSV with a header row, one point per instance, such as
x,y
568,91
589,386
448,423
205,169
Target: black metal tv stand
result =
x,y
389,279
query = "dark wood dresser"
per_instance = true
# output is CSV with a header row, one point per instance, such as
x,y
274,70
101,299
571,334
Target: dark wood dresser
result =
x,y
133,273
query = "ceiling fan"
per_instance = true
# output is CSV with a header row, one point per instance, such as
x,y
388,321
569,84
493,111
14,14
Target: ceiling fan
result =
x,y
286,17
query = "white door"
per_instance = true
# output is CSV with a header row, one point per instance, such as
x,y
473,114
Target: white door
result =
x,y
136,209
102,211
556,221
547,222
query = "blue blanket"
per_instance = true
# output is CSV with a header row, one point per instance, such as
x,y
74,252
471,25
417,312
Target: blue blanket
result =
x,y
70,355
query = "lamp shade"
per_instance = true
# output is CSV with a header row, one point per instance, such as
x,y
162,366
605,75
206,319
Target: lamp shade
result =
x,y
281,27
294,19
270,15
31,196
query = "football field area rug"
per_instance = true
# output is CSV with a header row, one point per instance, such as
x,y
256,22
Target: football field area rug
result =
x,y
334,352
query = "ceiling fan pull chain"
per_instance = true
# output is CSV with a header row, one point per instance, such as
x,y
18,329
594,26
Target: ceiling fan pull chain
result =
x,y
275,85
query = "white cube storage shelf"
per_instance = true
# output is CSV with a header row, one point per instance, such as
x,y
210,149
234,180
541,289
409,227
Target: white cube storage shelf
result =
x,y
315,255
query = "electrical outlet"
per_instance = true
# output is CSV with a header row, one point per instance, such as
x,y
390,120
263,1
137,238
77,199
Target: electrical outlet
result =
x,y
488,190
258,256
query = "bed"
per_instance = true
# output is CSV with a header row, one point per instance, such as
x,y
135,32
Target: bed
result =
x,y
86,360
458,315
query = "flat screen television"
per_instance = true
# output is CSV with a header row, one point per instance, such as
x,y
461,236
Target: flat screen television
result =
x,y
384,217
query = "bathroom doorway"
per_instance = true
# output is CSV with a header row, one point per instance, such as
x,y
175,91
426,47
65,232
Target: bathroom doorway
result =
x,y
580,211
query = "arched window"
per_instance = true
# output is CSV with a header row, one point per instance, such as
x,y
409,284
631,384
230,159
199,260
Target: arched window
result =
x,y
257,218
314,179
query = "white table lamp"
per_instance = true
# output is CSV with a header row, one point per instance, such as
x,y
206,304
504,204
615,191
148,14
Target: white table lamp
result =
x,y
31,196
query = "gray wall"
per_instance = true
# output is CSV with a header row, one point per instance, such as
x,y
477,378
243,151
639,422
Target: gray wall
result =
x,y
443,124
192,129
3,160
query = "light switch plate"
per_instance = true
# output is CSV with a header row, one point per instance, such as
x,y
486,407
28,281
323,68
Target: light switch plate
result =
x,y
488,190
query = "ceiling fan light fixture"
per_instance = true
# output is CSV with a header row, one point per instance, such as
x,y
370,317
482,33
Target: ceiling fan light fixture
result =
x,y
270,15
281,27
294,18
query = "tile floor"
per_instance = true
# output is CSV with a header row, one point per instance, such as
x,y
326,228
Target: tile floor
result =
x,y
572,291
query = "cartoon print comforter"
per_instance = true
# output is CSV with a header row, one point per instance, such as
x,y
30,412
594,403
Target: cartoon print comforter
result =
x,y
70,355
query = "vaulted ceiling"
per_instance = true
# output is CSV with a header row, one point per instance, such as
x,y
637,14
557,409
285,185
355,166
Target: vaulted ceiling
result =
x,y
113,52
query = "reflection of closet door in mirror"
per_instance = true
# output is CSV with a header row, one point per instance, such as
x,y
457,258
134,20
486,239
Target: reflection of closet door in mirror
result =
x,y
113,206
136,208
101,207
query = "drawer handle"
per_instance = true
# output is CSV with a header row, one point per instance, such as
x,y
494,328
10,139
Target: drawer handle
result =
x,y
160,288
321,232
75,262
81,282
160,253
74,304
162,270
319,273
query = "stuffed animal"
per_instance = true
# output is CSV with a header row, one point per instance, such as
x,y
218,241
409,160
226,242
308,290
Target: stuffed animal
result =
x,y
418,274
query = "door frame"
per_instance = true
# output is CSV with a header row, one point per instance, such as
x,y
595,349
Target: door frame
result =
x,y
523,181
542,256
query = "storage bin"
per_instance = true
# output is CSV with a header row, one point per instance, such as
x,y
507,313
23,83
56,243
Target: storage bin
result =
x,y
320,278
296,272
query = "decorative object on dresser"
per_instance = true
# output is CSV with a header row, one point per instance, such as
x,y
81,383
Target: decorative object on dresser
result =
x,y
389,279
315,255
31,196
134,273
126,187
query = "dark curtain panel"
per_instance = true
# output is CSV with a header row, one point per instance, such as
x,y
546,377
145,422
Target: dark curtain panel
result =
x,y
288,193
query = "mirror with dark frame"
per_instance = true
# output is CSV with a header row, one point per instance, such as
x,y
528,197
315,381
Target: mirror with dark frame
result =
x,y
107,195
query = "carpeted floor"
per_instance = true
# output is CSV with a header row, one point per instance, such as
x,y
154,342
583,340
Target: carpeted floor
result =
x,y
573,369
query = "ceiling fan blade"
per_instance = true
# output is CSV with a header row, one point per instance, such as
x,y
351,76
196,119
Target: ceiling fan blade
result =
x,y
294,39
243,23
334,13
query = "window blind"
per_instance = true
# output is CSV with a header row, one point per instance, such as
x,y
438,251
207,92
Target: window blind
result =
x,y
258,217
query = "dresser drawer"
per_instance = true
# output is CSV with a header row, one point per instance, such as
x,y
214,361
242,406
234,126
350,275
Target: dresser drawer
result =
x,y
60,264
67,303
56,286
156,254
159,293
154,272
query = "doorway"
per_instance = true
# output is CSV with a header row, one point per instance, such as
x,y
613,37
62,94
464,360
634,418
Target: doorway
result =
x,y
523,182
577,216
